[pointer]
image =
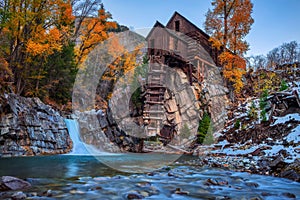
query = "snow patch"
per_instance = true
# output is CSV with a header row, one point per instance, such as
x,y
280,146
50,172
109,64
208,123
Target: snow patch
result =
x,y
294,135
287,118
290,150
234,152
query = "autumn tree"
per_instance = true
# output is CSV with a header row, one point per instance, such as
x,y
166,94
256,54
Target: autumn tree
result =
x,y
43,42
91,27
228,23
33,30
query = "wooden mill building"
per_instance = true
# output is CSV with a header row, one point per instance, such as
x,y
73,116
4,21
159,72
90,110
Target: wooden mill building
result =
x,y
179,44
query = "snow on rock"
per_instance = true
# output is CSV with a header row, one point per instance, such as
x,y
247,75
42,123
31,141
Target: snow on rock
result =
x,y
290,150
236,149
286,118
294,135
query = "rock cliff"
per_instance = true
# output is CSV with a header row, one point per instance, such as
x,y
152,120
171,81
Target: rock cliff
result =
x,y
29,127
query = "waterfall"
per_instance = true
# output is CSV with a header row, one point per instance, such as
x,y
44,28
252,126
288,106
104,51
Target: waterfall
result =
x,y
79,147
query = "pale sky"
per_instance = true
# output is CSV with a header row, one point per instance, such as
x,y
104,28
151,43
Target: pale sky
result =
x,y
276,21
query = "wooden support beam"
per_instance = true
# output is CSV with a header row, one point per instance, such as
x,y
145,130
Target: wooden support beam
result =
x,y
154,111
154,118
190,73
154,102
155,92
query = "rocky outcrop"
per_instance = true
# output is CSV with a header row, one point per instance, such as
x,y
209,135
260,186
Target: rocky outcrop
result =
x,y
29,127
98,128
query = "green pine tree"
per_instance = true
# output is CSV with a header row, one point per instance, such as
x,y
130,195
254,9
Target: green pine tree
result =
x,y
203,128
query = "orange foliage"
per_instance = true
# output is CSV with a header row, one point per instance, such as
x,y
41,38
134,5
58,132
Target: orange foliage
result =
x,y
124,61
228,24
93,30
33,30
5,75
233,69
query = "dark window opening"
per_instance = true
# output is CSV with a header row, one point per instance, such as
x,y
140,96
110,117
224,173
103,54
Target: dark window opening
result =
x,y
177,24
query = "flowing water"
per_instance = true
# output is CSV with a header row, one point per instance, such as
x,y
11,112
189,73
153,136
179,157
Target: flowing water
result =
x,y
85,177
79,147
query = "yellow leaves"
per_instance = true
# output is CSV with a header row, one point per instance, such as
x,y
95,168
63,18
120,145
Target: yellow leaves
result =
x,y
215,43
228,24
233,69
67,16
54,34
93,30
5,74
36,48
124,61
267,80
40,27
44,43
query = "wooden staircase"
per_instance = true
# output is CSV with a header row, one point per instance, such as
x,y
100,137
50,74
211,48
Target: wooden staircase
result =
x,y
153,113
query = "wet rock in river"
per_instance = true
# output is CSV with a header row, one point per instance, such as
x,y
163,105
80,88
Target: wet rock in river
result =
x,y
215,182
181,192
290,174
13,183
48,193
18,195
252,184
134,195
289,195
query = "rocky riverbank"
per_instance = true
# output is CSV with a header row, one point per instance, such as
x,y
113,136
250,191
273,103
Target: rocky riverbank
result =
x,y
273,166
29,127
262,136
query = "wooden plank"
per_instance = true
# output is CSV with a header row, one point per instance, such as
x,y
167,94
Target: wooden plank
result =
x,y
155,86
190,74
153,111
272,112
154,71
154,102
206,62
155,118
155,92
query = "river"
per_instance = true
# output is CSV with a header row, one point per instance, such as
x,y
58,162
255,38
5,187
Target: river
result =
x,y
85,177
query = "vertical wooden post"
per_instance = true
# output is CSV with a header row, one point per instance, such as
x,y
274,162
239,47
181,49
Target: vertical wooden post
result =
x,y
190,73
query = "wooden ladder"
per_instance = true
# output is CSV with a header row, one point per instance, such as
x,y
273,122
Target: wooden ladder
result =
x,y
153,113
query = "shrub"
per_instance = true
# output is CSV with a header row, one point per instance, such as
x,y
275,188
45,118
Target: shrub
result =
x,y
283,85
263,115
237,124
263,99
244,126
262,105
252,112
